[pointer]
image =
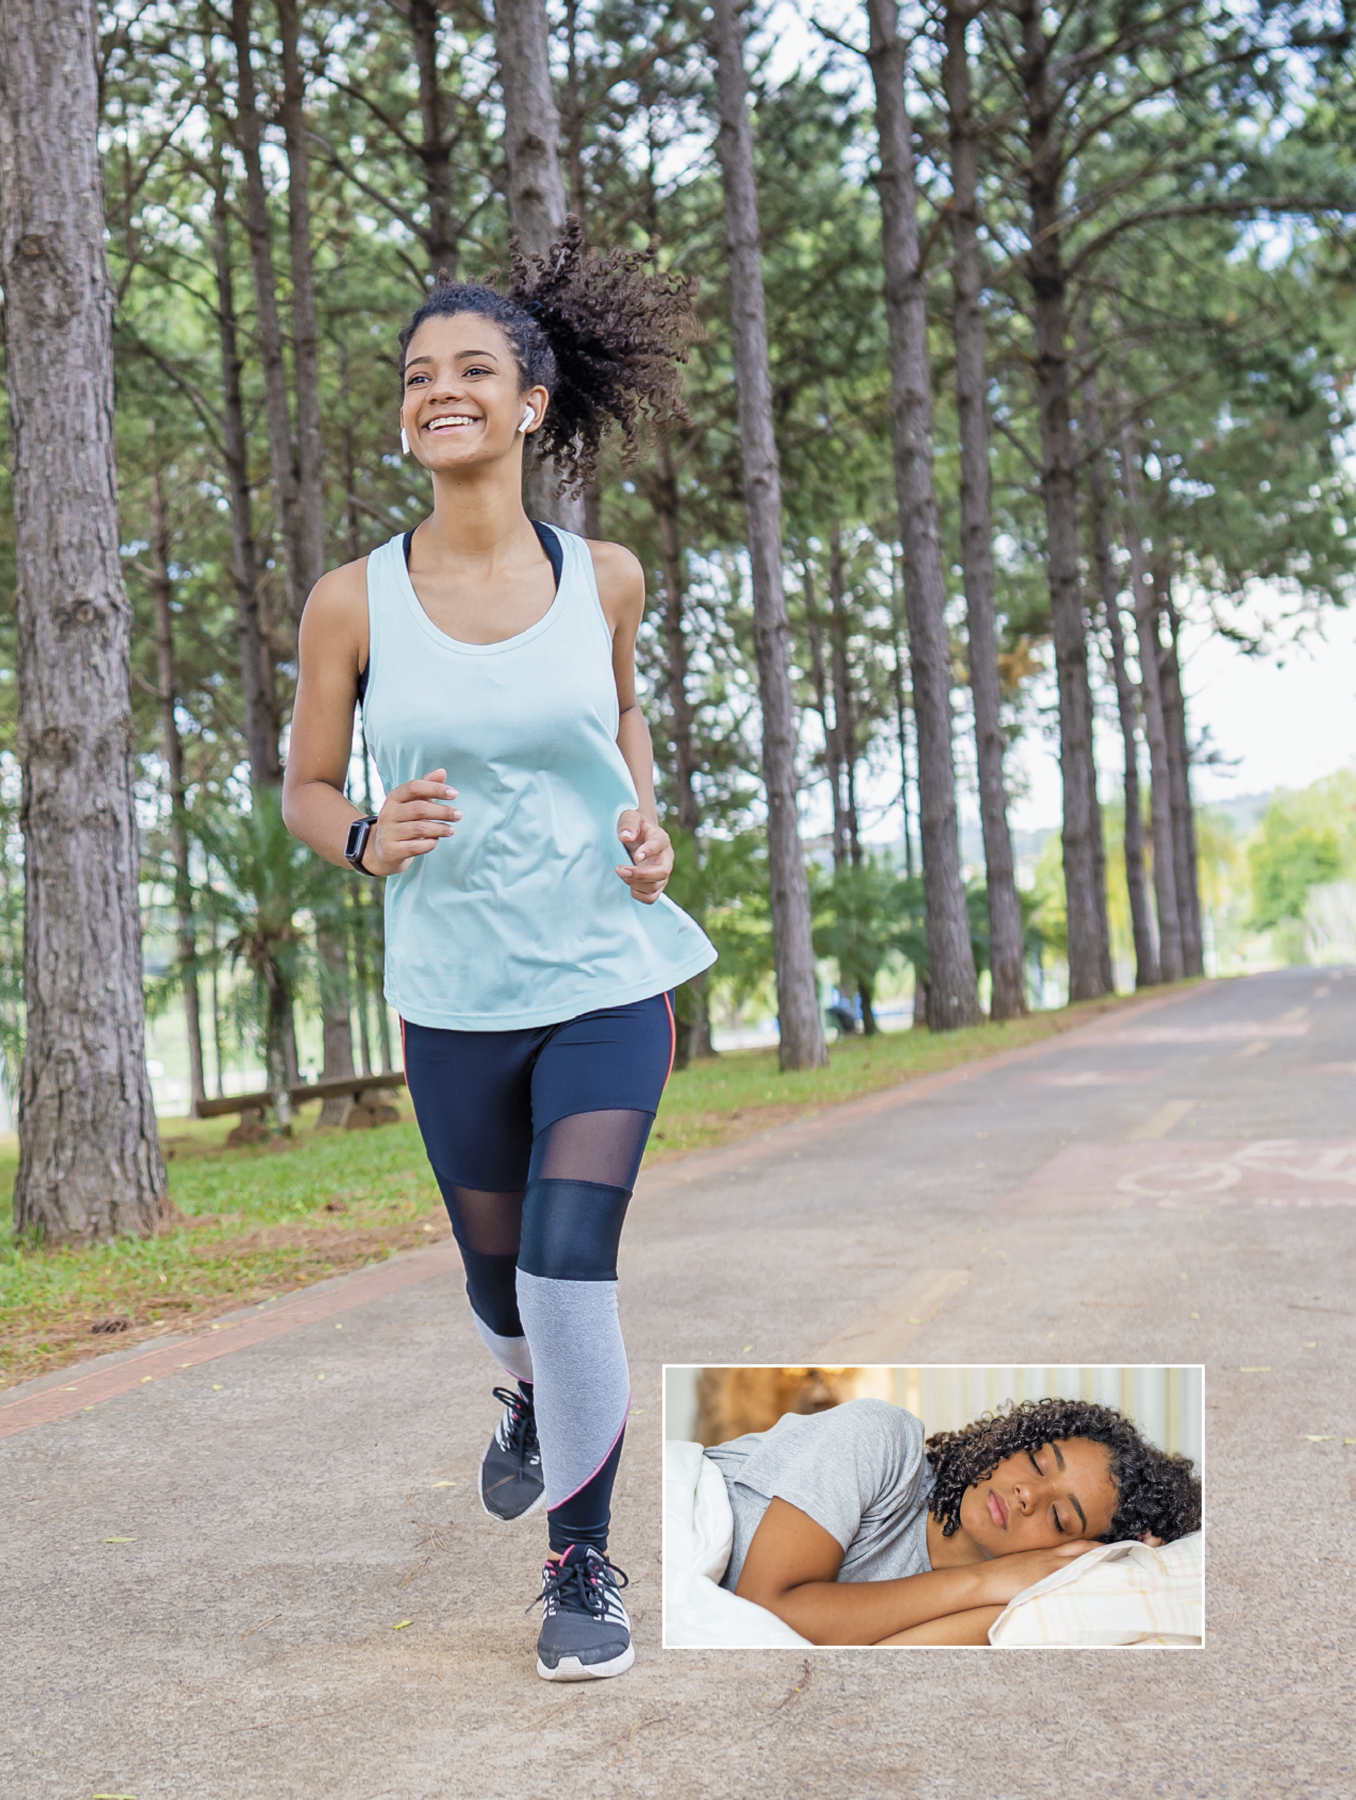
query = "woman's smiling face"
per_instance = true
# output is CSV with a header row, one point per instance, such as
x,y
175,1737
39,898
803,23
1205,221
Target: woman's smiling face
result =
x,y
463,400
1036,1499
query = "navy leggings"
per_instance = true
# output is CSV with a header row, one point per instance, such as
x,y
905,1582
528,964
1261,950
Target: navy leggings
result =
x,y
536,1137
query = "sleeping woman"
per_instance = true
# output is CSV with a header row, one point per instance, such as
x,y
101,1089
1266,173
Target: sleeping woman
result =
x,y
854,1529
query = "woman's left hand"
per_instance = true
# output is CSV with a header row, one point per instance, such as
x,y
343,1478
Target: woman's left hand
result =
x,y
651,856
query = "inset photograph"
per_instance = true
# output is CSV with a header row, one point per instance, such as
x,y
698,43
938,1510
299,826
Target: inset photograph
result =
x,y
891,1507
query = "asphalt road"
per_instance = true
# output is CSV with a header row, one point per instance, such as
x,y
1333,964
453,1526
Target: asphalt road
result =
x,y
251,1564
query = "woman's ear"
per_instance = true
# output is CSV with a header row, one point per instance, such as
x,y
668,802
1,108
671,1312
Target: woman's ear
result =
x,y
1147,1537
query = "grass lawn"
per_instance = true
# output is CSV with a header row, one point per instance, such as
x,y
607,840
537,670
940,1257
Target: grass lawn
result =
x,y
261,1221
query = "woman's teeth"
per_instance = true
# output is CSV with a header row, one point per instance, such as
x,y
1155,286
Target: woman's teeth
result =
x,y
452,423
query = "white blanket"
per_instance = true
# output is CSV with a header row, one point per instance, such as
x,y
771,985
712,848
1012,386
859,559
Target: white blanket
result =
x,y
698,1537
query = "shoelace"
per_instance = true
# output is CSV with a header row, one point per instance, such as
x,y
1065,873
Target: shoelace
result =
x,y
579,1585
521,1435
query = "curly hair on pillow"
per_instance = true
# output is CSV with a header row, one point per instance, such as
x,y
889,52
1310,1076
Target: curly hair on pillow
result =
x,y
604,334
1156,1493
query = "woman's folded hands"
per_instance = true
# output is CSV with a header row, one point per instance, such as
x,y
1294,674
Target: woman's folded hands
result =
x,y
1002,1578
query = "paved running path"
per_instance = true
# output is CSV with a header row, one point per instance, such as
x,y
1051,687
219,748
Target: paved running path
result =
x,y
1175,1185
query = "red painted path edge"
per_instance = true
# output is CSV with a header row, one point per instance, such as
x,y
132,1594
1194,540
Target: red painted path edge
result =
x,y
272,1320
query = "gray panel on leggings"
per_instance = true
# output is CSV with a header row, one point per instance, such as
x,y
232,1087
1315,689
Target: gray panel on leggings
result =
x,y
512,1352
582,1387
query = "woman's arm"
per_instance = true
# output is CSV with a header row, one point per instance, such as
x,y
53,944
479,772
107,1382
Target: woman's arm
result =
x,y
956,1628
332,648
621,589
792,1568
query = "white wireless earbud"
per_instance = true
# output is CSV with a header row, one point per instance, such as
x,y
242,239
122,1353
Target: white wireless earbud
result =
x,y
526,419
404,440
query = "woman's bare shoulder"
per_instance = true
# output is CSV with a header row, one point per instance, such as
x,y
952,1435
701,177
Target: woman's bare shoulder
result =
x,y
340,592
336,609
621,580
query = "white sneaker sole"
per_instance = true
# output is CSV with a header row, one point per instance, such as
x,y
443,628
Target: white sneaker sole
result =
x,y
499,1518
569,1668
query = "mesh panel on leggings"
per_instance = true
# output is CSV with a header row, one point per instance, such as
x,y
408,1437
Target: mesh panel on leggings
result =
x,y
602,1147
489,1224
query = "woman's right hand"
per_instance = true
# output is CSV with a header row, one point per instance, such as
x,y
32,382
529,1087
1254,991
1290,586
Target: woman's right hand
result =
x,y
1003,1578
414,818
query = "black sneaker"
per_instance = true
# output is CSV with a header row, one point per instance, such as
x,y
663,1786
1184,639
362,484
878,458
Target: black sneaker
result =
x,y
510,1470
585,1633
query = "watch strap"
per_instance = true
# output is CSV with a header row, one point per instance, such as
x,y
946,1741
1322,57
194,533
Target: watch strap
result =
x,y
359,832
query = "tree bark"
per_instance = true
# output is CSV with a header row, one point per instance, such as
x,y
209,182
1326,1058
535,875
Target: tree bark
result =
x,y
90,1164
305,336
536,192
663,491
162,589
435,149
1146,954
286,475
901,722
1170,963
953,996
1089,940
257,689
336,1016
828,717
847,833
802,1033
1008,998
1179,775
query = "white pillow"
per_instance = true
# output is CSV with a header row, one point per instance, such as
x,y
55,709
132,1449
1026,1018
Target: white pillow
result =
x,y
1117,1594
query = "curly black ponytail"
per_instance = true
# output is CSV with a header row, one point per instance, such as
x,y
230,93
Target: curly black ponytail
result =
x,y
1155,1492
603,334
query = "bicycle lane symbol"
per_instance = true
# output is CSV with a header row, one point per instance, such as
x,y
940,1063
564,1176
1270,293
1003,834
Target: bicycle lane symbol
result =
x,y
1264,1172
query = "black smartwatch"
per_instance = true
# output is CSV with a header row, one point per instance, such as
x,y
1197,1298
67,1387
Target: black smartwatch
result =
x,y
358,834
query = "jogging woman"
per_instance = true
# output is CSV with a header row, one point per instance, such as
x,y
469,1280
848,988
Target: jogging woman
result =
x,y
530,951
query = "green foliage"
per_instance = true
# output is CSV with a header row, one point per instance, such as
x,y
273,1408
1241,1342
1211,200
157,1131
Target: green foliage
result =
x,y
1304,839
864,916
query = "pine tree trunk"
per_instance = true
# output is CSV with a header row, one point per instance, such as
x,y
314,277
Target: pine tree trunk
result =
x,y
901,727
257,687
305,336
1179,775
663,493
828,717
663,490
90,1164
1170,962
286,475
1084,878
1008,999
435,147
162,589
336,1017
847,832
802,1032
536,192
1141,926
953,995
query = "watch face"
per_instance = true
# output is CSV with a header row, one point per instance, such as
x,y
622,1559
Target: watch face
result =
x,y
358,833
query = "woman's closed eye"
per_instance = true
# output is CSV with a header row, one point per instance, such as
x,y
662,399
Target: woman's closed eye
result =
x,y
1054,1510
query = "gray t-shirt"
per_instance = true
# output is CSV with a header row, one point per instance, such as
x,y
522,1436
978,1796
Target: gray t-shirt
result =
x,y
858,1470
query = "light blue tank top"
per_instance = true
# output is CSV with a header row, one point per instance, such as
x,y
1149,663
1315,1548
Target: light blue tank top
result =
x,y
520,919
